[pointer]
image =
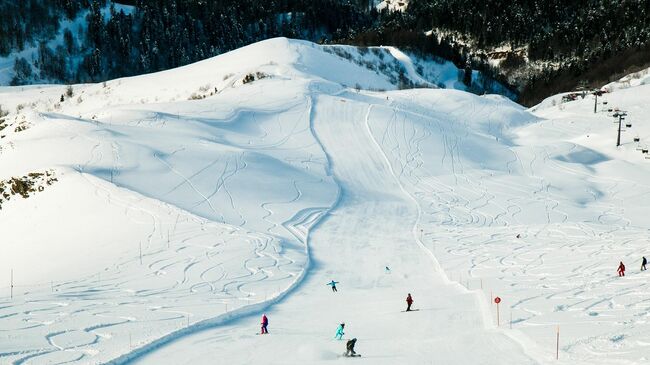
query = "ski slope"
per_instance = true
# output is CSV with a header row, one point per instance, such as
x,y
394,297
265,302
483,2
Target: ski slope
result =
x,y
190,201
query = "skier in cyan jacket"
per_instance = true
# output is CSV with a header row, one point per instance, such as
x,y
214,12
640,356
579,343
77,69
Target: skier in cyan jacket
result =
x,y
339,332
333,285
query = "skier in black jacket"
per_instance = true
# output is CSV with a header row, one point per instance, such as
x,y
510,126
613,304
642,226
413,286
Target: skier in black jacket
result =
x,y
350,347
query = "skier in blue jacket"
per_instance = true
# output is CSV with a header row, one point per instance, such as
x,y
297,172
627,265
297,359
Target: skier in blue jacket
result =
x,y
339,332
333,285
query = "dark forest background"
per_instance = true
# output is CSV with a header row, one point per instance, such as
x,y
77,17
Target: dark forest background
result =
x,y
572,42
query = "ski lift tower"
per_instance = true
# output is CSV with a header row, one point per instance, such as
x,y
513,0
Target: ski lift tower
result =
x,y
621,116
596,93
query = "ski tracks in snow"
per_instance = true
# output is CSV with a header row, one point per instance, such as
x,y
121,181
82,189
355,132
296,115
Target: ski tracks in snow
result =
x,y
193,266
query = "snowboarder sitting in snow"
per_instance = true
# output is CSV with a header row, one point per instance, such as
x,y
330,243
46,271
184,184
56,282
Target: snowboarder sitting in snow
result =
x,y
643,263
339,332
333,285
265,323
621,269
349,346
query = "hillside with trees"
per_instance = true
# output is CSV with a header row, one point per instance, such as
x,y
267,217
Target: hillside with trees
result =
x,y
538,48
564,42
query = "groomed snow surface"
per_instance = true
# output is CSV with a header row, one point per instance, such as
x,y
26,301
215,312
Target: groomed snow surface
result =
x,y
189,202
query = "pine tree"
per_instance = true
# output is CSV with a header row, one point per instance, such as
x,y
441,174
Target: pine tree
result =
x,y
22,72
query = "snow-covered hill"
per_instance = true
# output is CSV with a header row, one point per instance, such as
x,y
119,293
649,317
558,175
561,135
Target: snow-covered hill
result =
x,y
154,219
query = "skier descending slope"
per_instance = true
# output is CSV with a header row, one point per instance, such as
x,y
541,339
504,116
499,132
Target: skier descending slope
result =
x,y
339,332
409,301
265,323
349,348
621,269
644,262
333,285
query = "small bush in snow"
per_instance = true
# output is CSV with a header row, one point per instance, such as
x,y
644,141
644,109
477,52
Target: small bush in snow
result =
x,y
3,113
254,76
248,78
69,91
196,96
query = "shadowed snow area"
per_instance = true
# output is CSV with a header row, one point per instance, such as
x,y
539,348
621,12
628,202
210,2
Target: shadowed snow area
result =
x,y
190,201
582,156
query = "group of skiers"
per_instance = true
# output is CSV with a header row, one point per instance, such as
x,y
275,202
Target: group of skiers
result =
x,y
621,266
349,346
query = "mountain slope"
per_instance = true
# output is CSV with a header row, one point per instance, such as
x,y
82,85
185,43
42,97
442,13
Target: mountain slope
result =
x,y
180,213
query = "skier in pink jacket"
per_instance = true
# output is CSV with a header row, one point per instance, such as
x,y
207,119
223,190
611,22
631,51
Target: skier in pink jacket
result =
x,y
265,322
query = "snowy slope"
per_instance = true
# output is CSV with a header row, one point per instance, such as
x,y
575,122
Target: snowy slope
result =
x,y
374,225
632,80
190,201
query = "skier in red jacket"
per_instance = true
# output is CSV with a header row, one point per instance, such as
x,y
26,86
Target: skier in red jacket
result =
x,y
265,322
409,301
621,269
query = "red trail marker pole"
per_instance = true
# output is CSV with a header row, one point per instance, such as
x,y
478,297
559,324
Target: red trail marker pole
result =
x,y
497,300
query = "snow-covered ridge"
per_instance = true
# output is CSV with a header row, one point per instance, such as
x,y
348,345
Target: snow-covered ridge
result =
x,y
632,80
